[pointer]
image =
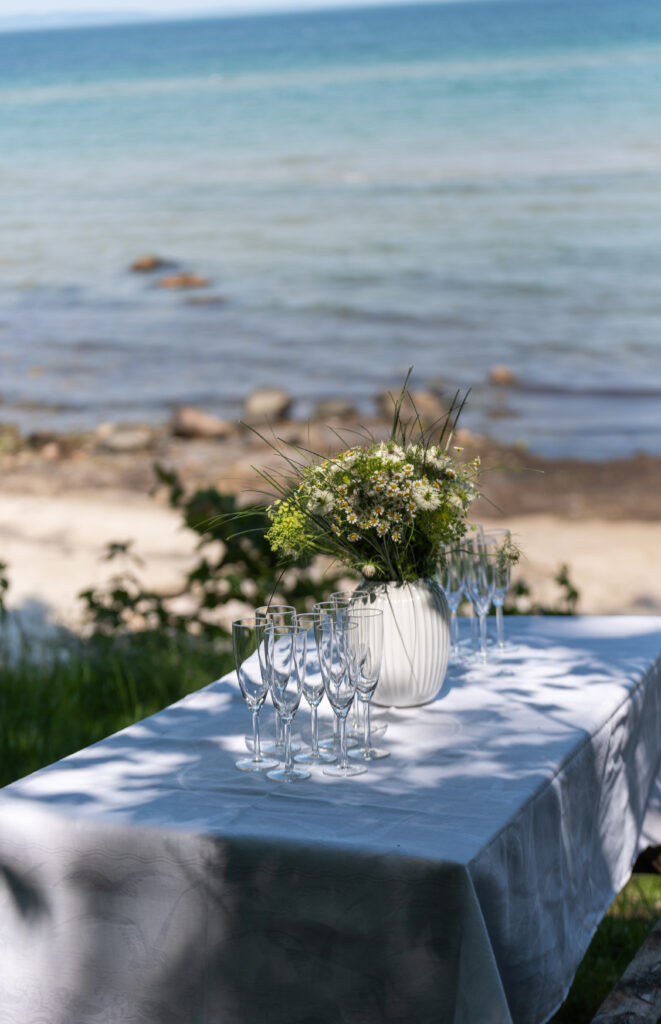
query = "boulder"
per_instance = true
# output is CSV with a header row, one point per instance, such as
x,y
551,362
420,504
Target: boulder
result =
x,y
126,439
180,281
266,405
188,421
425,405
334,409
147,263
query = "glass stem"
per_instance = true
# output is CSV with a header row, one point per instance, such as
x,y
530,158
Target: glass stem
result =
x,y
356,714
499,625
454,631
368,726
256,747
288,758
483,635
315,731
344,763
278,729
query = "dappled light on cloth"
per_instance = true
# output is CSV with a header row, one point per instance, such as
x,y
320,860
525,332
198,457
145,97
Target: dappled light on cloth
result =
x,y
460,879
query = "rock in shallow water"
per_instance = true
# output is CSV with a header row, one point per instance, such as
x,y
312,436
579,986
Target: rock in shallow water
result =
x,y
149,262
177,281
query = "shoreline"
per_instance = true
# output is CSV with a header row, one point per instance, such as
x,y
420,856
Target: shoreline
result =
x,y
64,499
120,458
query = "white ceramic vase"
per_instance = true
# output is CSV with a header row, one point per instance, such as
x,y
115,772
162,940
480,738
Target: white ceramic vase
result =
x,y
416,641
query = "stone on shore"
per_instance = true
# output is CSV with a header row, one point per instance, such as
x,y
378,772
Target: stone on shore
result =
x,y
148,263
190,422
119,439
334,409
180,281
266,405
418,406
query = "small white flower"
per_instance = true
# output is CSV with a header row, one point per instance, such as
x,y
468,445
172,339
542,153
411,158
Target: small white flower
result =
x,y
368,570
426,498
321,501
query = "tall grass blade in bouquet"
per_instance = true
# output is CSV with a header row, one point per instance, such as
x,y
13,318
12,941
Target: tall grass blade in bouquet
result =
x,y
382,508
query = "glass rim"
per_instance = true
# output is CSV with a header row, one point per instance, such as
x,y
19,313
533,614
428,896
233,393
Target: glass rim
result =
x,y
250,620
275,608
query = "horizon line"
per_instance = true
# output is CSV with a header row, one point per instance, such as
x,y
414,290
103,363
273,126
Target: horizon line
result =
x,y
88,19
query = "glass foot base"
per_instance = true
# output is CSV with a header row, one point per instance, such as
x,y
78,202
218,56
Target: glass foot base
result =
x,y
369,753
288,775
340,771
246,764
270,747
321,757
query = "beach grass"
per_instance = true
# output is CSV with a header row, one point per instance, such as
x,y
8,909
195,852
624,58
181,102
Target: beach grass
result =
x,y
78,693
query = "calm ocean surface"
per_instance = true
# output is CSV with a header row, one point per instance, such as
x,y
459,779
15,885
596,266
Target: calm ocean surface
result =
x,y
451,186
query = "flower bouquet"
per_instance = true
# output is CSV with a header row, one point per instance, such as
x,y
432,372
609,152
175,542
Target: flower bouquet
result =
x,y
385,509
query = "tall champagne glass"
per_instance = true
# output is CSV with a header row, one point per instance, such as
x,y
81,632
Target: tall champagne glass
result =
x,y
313,691
333,610
480,575
337,645
250,637
450,573
367,644
279,615
286,654
500,541
350,599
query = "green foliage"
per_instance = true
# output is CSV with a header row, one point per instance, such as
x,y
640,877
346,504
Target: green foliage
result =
x,y
4,587
631,916
236,561
519,601
81,691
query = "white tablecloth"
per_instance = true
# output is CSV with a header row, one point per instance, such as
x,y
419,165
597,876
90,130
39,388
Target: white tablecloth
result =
x,y
146,880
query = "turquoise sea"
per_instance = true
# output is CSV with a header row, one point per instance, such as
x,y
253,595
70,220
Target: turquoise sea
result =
x,y
451,186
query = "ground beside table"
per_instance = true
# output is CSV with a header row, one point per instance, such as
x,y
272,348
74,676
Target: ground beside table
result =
x,y
146,880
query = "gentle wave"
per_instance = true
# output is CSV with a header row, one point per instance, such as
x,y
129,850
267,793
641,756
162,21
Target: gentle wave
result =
x,y
342,75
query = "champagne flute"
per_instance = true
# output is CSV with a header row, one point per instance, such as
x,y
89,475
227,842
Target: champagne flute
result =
x,y
450,573
286,654
500,540
480,577
350,599
337,645
250,636
279,615
332,609
313,691
368,642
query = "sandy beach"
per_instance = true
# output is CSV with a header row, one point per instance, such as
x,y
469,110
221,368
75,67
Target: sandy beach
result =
x,y
64,501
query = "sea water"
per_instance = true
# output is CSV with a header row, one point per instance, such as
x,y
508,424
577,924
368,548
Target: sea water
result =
x,y
450,186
